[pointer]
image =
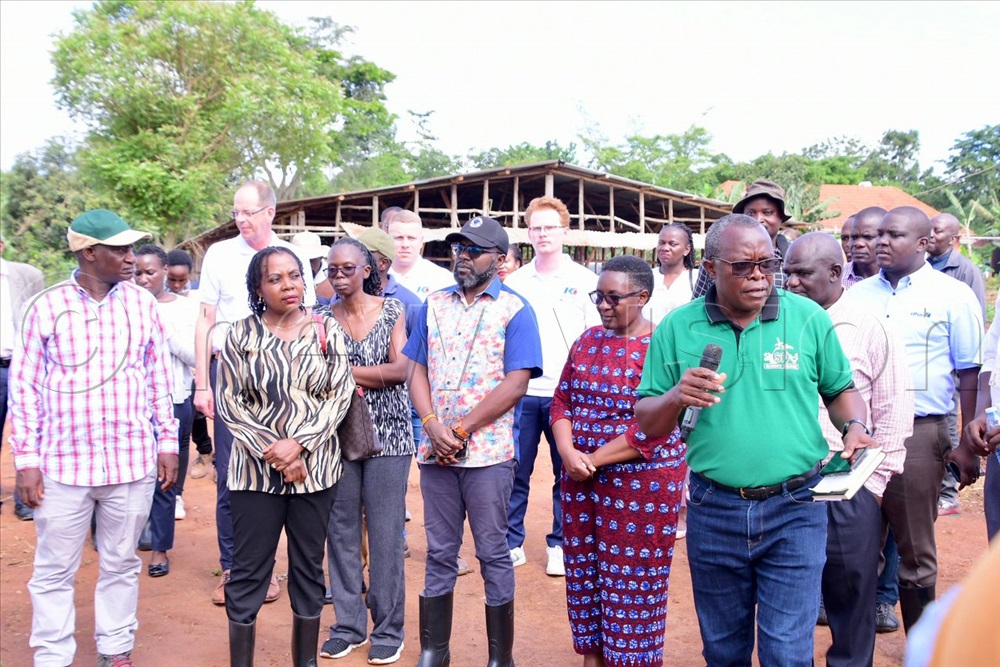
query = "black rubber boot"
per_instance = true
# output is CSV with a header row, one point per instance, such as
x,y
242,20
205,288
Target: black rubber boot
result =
x,y
435,630
912,601
241,641
500,630
305,640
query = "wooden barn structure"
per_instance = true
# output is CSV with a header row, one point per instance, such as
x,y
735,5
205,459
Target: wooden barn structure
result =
x,y
609,214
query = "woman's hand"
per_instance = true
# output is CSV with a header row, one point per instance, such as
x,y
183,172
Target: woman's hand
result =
x,y
296,472
282,453
578,466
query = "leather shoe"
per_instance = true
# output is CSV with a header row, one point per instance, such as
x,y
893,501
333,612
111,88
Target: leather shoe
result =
x,y
159,569
219,594
24,513
273,590
146,539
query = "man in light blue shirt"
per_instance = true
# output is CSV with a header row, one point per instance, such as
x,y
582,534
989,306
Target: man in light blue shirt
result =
x,y
939,322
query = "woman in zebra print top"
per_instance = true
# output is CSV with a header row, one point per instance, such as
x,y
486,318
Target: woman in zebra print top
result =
x,y
285,385
374,329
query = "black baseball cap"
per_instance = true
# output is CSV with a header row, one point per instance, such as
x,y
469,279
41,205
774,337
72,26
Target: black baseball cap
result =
x,y
482,231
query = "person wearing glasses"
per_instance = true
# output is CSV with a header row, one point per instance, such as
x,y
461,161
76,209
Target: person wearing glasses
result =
x,y
472,351
224,301
620,488
557,288
756,540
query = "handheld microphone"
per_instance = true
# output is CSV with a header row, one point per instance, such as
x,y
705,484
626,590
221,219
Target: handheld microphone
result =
x,y
710,359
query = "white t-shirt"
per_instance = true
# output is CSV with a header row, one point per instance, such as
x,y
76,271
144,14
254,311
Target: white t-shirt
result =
x,y
224,282
179,318
7,334
424,277
664,299
561,301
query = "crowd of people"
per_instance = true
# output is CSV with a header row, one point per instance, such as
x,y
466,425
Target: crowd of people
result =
x,y
658,391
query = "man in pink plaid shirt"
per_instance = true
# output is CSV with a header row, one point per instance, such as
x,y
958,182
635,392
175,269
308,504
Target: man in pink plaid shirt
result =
x,y
92,429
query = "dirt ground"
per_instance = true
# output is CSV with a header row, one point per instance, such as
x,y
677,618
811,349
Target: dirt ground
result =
x,y
178,625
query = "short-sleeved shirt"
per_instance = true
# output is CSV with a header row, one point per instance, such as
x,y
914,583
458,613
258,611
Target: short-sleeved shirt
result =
x,y
766,428
423,278
564,310
224,282
938,321
468,349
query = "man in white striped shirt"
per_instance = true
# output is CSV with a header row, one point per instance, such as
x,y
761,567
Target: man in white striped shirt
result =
x,y
92,429
813,268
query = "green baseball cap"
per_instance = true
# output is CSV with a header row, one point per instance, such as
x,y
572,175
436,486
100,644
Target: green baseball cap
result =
x,y
100,226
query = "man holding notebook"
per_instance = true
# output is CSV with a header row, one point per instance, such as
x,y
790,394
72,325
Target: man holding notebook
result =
x,y
813,268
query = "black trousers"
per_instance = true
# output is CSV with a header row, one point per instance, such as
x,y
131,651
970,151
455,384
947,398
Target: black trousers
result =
x,y
257,522
850,577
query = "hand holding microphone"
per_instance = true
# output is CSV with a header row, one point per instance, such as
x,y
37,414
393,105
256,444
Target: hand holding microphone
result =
x,y
698,387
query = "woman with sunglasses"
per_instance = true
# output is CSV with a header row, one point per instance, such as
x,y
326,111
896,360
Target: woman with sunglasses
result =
x,y
621,490
375,330
284,387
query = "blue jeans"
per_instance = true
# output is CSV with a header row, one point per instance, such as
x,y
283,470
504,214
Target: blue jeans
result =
x,y
532,420
755,557
888,581
18,504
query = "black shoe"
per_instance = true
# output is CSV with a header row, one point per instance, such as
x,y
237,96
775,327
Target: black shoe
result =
x,y
885,618
500,630
241,644
305,638
435,630
24,513
159,569
912,601
328,596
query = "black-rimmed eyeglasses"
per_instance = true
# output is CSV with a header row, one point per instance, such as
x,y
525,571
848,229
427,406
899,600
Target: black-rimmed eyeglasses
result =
x,y
613,300
744,268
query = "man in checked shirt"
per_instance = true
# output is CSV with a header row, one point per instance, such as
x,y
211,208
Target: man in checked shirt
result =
x,y
92,429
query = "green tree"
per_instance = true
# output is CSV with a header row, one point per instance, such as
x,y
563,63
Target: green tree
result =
x,y
41,194
973,169
523,153
184,99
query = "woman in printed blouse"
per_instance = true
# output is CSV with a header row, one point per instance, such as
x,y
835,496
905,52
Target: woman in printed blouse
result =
x,y
285,386
374,329
621,490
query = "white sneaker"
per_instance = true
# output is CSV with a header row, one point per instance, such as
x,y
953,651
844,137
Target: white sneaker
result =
x,y
179,512
517,555
555,567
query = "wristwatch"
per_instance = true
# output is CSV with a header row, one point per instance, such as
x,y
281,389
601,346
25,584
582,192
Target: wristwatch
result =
x,y
847,425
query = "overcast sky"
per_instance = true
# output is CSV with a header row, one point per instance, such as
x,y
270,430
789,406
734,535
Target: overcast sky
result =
x,y
759,76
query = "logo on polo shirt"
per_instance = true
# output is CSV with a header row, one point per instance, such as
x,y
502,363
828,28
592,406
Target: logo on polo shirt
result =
x,y
781,358
570,290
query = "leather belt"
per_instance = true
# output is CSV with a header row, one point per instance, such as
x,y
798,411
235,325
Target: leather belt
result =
x,y
765,492
929,418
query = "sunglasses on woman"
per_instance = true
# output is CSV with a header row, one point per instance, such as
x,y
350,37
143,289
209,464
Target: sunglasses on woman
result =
x,y
347,271
613,300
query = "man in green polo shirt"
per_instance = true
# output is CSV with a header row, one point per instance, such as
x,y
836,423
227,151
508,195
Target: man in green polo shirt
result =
x,y
756,541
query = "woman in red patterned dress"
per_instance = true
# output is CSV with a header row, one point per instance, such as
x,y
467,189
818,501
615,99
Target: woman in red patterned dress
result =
x,y
621,490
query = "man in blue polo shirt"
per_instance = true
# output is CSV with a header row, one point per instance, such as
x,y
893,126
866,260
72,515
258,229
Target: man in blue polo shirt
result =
x,y
473,349
756,540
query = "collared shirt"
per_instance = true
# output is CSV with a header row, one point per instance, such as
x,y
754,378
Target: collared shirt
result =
x,y
765,429
223,282
705,281
991,357
468,349
424,277
411,302
849,278
561,301
664,299
883,381
90,398
938,320
7,315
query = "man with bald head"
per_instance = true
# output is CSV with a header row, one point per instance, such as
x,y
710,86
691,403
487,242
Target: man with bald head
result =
x,y
864,231
854,527
938,320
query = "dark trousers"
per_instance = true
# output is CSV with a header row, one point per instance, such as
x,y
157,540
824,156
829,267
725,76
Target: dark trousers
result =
x,y
853,541
199,433
223,513
910,502
258,519
3,417
450,493
532,424
185,415
991,495
161,515
888,578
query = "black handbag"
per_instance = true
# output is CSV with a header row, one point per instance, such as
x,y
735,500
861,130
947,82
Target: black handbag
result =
x,y
356,433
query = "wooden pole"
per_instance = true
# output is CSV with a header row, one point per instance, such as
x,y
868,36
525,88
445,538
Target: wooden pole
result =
x,y
454,205
517,203
642,212
550,183
486,197
611,207
580,214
